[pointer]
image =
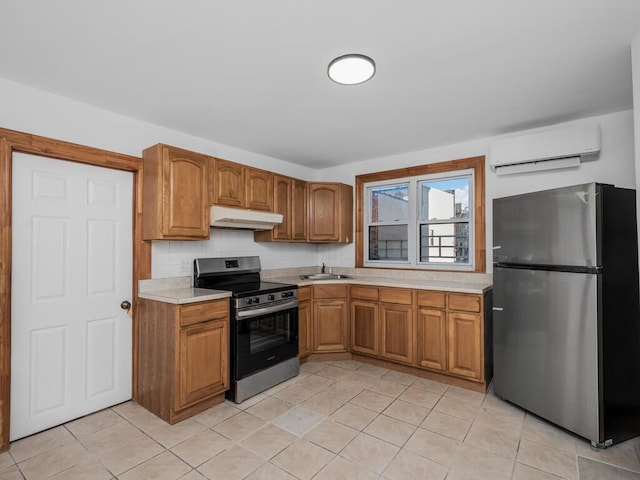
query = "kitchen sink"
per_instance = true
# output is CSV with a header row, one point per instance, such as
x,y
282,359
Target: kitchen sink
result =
x,y
323,276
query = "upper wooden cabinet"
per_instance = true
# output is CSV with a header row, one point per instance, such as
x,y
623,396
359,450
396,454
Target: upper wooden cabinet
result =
x,y
299,202
289,199
229,185
237,185
330,212
282,203
258,189
175,194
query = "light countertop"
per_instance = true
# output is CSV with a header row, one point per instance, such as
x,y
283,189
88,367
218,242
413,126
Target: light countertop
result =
x,y
177,290
449,286
184,295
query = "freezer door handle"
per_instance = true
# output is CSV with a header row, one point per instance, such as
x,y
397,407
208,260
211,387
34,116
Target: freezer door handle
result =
x,y
497,309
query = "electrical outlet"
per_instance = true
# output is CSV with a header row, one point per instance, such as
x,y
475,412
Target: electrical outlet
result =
x,y
184,266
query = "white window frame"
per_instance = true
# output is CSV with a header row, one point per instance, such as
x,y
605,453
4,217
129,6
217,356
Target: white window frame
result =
x,y
413,223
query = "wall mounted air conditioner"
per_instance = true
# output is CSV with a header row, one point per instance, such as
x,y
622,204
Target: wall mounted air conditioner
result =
x,y
560,147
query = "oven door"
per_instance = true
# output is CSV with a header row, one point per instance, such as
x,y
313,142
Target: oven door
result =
x,y
262,337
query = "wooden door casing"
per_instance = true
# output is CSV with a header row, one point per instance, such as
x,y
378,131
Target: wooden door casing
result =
x,y
13,141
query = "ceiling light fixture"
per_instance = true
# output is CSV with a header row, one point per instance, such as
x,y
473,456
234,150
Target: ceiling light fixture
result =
x,y
351,69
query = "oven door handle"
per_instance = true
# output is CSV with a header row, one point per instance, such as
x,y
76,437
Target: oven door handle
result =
x,y
242,314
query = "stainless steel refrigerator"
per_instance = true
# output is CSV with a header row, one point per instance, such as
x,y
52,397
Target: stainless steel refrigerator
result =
x,y
566,312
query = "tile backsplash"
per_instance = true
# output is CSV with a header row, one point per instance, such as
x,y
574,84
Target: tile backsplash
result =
x,y
175,258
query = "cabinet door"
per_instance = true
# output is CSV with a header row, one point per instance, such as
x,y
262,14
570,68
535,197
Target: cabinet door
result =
x,y
229,184
202,362
185,197
175,201
432,339
282,204
396,332
299,210
304,329
330,326
464,343
324,222
364,327
258,189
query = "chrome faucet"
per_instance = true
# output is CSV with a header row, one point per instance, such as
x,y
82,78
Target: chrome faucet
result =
x,y
322,269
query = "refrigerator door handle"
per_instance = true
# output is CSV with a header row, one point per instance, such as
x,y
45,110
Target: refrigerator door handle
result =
x,y
497,309
497,247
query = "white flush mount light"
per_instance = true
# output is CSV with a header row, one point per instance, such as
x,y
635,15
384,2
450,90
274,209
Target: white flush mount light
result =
x,y
351,69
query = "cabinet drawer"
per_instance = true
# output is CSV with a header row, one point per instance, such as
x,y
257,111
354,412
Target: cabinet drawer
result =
x,y
402,296
465,303
204,311
329,291
364,293
431,299
304,293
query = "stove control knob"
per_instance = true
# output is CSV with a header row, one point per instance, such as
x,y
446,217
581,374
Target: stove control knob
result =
x,y
249,301
283,294
271,297
256,299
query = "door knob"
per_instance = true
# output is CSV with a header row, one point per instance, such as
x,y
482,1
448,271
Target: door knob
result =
x,y
126,305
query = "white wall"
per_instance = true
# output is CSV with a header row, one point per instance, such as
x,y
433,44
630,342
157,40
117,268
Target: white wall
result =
x,y
37,112
614,165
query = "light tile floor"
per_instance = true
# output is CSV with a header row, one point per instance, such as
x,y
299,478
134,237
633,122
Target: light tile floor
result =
x,y
336,420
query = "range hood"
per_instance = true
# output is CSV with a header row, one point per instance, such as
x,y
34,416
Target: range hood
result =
x,y
225,217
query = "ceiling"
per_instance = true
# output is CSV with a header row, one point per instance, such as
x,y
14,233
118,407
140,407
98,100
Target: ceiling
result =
x,y
252,74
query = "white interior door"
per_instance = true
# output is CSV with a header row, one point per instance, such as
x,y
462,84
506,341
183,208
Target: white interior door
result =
x,y
71,269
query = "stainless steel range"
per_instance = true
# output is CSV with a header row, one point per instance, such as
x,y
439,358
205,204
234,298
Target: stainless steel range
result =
x,y
264,323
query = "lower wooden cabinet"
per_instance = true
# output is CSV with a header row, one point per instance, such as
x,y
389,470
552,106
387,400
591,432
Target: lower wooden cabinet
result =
x,y
465,345
397,332
330,318
330,326
202,363
451,334
305,330
443,332
364,327
432,339
183,357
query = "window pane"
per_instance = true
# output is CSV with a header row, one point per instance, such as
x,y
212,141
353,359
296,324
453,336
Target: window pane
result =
x,y
444,242
388,243
444,199
390,203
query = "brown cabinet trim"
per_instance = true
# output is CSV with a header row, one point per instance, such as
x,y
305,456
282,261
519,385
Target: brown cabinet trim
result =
x,y
13,141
